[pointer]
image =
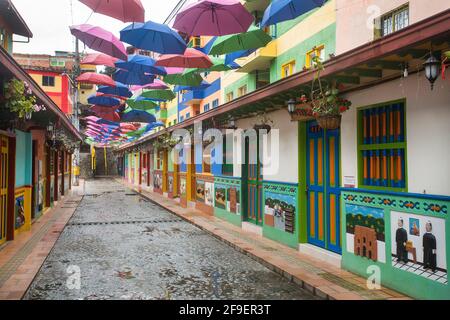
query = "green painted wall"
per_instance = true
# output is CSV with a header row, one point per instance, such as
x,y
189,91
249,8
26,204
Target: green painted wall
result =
x,y
404,281
224,213
249,80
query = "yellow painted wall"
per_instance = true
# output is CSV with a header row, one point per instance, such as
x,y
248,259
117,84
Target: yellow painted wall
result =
x,y
56,89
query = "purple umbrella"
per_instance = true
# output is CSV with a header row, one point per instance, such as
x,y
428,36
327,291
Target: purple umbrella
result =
x,y
157,84
100,40
213,18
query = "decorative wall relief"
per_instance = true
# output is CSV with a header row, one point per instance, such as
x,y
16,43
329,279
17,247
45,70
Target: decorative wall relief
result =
x,y
19,211
280,206
200,191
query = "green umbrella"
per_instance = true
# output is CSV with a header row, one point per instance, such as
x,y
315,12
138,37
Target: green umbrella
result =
x,y
130,108
218,65
190,77
143,105
253,39
159,94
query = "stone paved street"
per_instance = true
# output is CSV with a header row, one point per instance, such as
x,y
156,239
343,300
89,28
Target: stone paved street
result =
x,y
128,248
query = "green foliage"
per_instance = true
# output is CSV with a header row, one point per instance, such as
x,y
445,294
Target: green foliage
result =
x,y
19,98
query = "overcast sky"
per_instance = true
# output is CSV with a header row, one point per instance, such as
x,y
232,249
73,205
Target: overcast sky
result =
x,y
49,20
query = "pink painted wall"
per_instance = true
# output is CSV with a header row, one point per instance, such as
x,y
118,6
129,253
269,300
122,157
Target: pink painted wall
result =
x,y
355,19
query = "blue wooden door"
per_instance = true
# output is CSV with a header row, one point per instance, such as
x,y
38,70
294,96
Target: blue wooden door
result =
x,y
323,187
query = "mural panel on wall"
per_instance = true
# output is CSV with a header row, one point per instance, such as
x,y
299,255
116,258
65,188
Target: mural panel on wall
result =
x,y
200,191
170,181
280,211
157,180
418,245
209,194
183,186
19,211
228,198
221,197
366,232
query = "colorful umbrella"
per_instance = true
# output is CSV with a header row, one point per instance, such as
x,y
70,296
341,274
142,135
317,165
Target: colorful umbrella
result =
x,y
231,57
253,39
220,65
123,10
95,78
153,36
141,104
141,64
99,59
213,18
191,58
103,101
157,84
138,116
120,90
190,77
283,10
133,78
163,95
100,40
202,86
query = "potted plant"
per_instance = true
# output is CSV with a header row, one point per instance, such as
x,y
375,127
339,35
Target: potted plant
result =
x,y
326,104
20,99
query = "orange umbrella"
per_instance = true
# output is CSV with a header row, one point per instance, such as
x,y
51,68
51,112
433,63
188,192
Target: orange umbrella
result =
x,y
100,59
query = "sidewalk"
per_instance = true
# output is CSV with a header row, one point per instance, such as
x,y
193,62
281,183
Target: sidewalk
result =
x,y
21,259
322,279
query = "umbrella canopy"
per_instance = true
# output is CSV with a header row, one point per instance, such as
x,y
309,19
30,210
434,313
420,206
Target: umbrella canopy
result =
x,y
220,65
163,95
229,58
133,78
100,40
99,59
157,84
123,10
213,18
95,78
190,77
253,39
119,90
283,10
104,101
140,64
191,58
138,116
202,86
153,36
141,104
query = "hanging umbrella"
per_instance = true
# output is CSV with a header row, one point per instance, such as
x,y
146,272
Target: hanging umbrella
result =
x,y
207,48
157,84
99,59
163,95
103,101
142,104
253,39
98,108
229,58
283,10
100,40
213,18
138,116
123,10
141,64
119,90
220,65
202,86
153,36
190,77
191,58
133,77
110,116
95,78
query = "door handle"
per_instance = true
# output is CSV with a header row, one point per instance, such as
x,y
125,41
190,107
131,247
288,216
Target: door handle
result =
x,y
307,190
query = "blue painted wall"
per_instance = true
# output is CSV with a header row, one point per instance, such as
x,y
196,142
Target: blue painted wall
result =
x,y
24,153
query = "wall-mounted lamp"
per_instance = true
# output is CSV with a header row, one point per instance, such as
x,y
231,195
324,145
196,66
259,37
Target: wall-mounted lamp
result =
x,y
432,69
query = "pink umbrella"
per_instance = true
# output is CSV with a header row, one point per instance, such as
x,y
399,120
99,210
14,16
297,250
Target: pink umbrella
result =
x,y
123,10
100,59
96,78
171,70
191,58
157,84
213,18
100,40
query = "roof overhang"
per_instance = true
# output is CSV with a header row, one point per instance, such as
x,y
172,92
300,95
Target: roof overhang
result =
x,y
14,19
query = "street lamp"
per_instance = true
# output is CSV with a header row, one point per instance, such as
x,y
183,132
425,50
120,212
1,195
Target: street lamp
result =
x,y
292,106
432,69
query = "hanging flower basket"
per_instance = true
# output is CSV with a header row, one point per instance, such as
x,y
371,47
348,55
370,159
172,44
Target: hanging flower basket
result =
x,y
330,122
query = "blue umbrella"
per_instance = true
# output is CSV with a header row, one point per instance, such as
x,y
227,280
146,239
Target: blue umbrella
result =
x,y
229,58
207,48
283,10
120,90
138,116
155,37
202,86
142,98
103,101
141,64
133,78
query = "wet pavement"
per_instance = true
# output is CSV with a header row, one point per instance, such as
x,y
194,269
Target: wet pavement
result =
x,y
118,245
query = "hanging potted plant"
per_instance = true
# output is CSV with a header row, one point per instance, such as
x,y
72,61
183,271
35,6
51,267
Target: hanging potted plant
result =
x,y
265,123
327,107
20,99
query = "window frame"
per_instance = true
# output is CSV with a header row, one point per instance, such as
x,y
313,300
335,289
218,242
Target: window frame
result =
x,y
291,66
243,90
48,78
381,146
230,96
318,50
379,22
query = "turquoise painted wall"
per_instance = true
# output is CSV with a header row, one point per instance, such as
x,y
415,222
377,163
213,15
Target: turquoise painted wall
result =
x,y
24,152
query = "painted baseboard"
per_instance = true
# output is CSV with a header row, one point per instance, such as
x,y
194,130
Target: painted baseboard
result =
x,y
321,254
250,227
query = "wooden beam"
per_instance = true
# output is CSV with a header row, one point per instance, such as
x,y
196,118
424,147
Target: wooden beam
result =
x,y
385,64
347,79
368,73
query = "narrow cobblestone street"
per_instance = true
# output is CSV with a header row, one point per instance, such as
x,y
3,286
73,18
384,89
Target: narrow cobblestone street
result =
x,y
128,248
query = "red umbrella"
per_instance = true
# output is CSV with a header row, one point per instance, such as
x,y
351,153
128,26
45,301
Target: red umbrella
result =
x,y
100,59
96,78
191,58
123,10
100,40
